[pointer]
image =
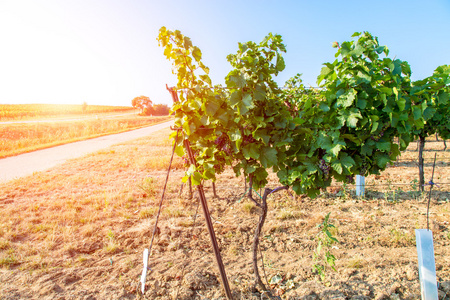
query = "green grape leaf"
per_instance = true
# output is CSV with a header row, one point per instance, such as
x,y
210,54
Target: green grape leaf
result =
x,y
374,127
179,150
311,168
444,97
206,79
385,90
211,107
383,146
261,134
352,119
235,135
196,178
428,113
324,72
336,148
382,160
250,151
235,98
347,98
268,157
352,138
417,112
324,107
347,162
337,166
260,93
196,53
246,104
249,169
361,103
239,80
401,104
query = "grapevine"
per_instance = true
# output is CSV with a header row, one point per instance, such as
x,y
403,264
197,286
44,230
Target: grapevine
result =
x,y
364,104
431,98
307,136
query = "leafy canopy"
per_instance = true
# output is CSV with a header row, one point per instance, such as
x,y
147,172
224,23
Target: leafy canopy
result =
x,y
307,136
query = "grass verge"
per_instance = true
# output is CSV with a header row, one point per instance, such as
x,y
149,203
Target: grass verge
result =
x,y
26,137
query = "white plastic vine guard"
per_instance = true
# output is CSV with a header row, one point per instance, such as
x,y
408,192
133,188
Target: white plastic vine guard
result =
x,y
144,270
360,182
427,266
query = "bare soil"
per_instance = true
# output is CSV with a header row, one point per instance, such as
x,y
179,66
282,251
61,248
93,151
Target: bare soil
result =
x,y
78,231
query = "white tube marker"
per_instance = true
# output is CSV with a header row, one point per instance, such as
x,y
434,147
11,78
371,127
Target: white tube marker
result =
x,y
360,182
144,270
427,267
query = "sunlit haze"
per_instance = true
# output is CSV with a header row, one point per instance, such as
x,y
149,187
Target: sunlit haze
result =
x,y
105,52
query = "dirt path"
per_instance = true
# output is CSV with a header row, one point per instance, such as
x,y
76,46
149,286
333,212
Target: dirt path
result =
x,y
28,163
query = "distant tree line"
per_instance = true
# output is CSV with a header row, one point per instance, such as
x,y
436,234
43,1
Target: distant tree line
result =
x,y
147,108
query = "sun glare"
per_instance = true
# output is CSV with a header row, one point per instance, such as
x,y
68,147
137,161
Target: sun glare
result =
x,y
47,55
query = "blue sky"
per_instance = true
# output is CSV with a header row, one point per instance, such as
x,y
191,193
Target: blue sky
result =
x,y
105,51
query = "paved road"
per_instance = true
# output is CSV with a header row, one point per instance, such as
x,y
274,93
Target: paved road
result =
x,y
41,160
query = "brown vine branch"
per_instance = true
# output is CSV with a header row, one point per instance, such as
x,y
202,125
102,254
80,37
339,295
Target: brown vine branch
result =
x,y
262,219
250,191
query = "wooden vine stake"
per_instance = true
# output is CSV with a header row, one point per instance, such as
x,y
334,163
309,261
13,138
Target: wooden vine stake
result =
x,y
147,252
425,256
206,213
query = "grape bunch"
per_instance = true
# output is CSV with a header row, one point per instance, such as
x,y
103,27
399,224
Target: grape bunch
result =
x,y
220,141
363,170
365,166
185,160
219,167
247,138
227,149
324,167
350,179
223,143
377,137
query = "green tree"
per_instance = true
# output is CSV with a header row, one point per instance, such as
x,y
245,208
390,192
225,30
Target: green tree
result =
x,y
141,103
157,110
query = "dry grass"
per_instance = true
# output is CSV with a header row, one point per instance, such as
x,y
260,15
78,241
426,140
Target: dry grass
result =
x,y
25,137
61,210
15,112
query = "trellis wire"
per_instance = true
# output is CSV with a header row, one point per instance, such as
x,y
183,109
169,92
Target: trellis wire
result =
x,y
384,184
234,88
425,158
387,184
